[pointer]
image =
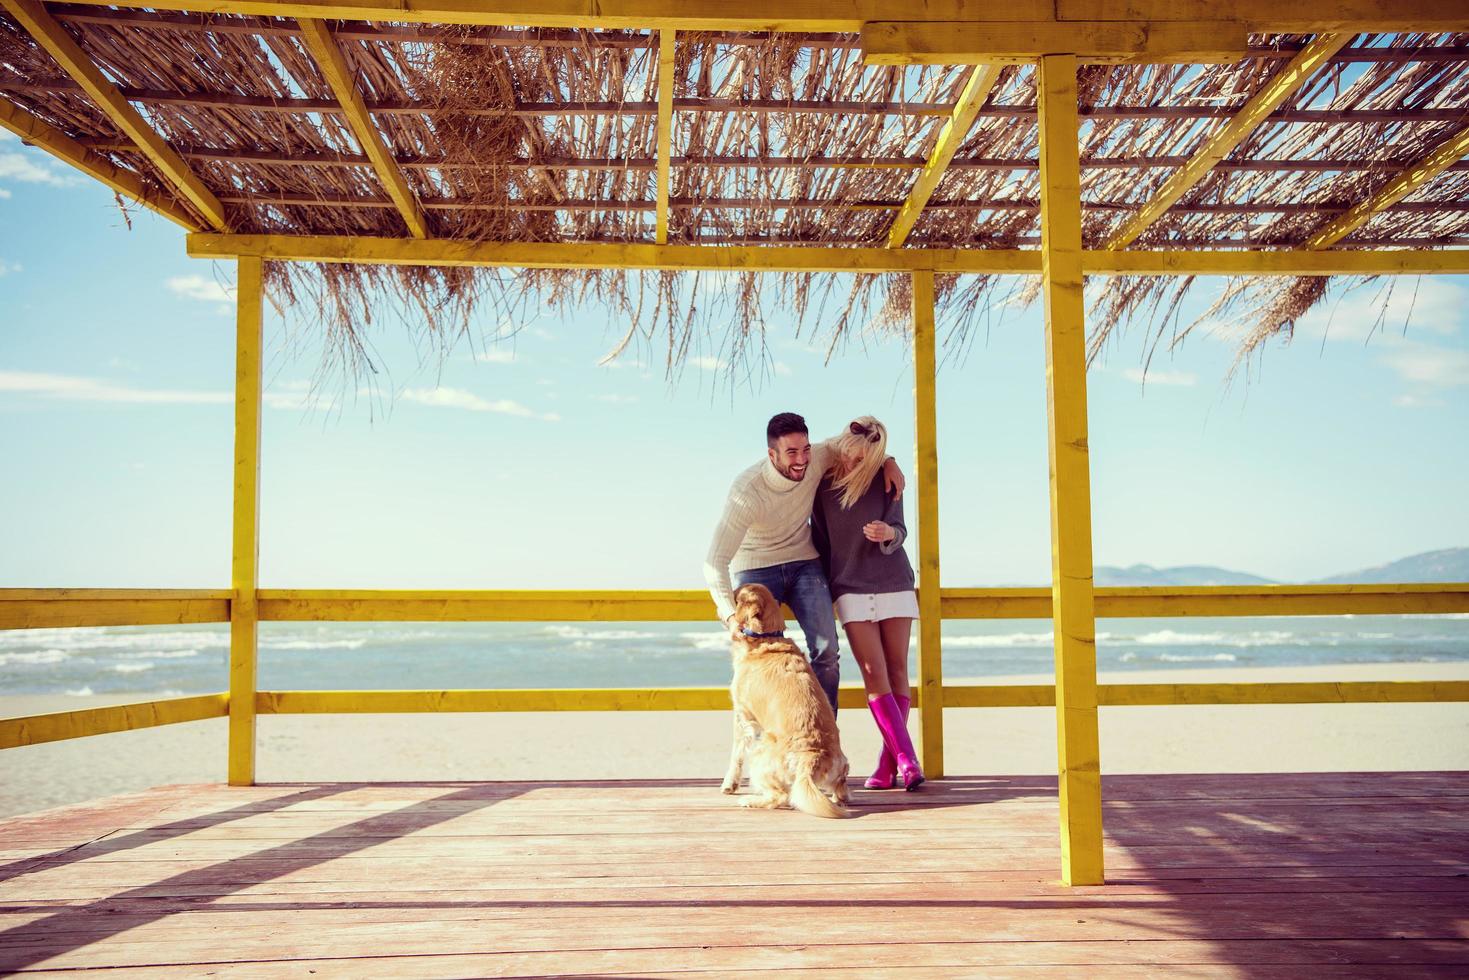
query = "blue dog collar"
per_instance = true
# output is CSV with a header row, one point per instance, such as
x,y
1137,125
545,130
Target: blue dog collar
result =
x,y
777,635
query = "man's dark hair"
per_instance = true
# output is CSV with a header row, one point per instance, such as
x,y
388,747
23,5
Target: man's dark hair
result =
x,y
784,424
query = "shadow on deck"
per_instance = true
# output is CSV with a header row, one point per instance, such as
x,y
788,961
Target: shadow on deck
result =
x,y
1242,875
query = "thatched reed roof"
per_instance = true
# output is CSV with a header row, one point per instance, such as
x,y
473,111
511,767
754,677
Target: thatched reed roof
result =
x,y
551,136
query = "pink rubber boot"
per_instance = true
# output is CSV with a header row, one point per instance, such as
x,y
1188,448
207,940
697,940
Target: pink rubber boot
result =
x,y
889,719
886,773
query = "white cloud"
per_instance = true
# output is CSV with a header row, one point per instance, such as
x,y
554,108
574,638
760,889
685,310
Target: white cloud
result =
x,y
201,289
1428,304
707,363
1178,378
617,399
1429,364
4,194
496,355
29,169
781,367
1414,401
9,268
459,398
73,388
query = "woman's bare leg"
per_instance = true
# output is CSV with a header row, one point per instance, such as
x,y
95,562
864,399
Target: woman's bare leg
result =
x,y
896,635
867,647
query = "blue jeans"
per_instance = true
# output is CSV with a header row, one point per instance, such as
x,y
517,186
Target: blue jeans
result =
x,y
802,586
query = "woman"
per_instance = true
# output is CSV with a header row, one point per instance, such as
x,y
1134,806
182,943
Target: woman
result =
x,y
858,529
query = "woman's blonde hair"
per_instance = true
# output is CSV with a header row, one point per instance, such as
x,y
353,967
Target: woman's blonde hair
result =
x,y
866,439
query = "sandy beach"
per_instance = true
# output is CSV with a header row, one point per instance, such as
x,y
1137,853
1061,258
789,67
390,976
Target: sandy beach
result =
x,y
593,745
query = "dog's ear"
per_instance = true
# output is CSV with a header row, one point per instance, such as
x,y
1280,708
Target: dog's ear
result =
x,y
747,605
770,615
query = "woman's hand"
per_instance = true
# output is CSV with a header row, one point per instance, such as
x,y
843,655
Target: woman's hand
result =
x,y
879,532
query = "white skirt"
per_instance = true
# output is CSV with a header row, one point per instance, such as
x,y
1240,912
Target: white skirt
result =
x,y
858,608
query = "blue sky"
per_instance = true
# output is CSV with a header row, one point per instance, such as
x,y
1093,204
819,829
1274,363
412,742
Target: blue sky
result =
x,y
524,464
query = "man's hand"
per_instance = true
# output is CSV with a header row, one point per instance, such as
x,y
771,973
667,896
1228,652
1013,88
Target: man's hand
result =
x,y
879,532
892,477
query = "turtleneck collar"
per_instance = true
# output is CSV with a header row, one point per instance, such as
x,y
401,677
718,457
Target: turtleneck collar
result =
x,y
776,480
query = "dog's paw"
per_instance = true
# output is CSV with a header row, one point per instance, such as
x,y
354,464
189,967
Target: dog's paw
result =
x,y
729,789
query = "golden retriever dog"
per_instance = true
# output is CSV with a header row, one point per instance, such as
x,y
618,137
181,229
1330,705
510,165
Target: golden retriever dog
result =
x,y
783,724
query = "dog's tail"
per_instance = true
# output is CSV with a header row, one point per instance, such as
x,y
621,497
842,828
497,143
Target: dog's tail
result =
x,y
806,797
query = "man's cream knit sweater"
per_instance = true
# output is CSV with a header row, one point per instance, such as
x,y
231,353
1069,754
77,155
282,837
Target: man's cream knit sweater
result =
x,y
766,521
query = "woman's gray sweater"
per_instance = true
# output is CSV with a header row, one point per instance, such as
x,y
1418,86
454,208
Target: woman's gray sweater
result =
x,y
853,564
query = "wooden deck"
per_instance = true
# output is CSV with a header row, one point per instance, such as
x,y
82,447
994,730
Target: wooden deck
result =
x,y
1257,876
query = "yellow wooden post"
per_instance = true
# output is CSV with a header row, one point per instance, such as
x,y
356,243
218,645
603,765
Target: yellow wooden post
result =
x,y
1073,612
244,577
930,657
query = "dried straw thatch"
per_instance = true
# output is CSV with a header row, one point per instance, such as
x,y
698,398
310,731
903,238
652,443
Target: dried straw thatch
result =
x,y
551,136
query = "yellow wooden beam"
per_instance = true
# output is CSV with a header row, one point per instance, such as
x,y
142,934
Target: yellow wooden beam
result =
x,y
61,725
338,74
554,255
1290,262
955,129
1288,692
245,557
35,132
848,16
665,128
955,696
202,606
930,652
52,608
1105,42
550,255
1412,177
1219,145
1071,521
49,33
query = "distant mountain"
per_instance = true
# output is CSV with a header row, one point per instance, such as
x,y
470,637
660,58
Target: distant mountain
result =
x,y
1138,575
1448,565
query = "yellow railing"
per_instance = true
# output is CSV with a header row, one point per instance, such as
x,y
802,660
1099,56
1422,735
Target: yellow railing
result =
x,y
51,608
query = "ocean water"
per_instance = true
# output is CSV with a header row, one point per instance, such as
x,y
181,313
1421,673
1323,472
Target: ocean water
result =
x,y
342,656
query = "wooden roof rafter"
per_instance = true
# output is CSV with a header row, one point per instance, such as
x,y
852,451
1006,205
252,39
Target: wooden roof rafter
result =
x,y
53,37
334,69
1219,145
37,132
665,130
976,91
1408,180
1080,17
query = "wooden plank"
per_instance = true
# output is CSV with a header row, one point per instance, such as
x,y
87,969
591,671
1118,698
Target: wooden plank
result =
x,y
50,608
1408,180
245,541
954,696
970,42
334,68
665,128
48,614
774,258
846,16
36,132
56,726
38,22
1266,959
1220,144
1071,530
955,130
609,699
930,686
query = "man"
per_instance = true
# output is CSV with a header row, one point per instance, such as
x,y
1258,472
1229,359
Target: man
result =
x,y
764,536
